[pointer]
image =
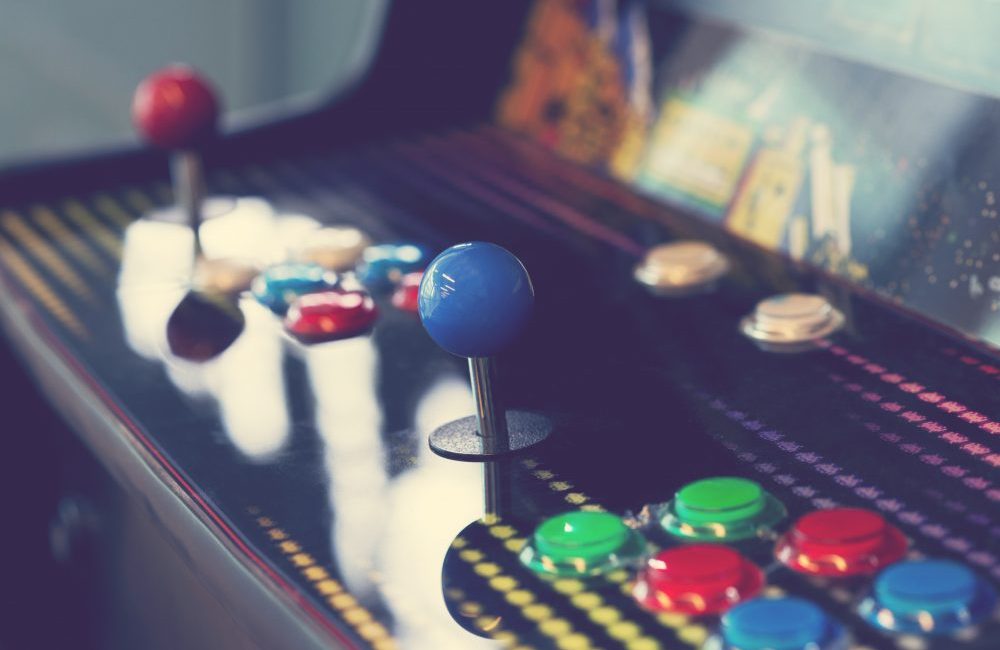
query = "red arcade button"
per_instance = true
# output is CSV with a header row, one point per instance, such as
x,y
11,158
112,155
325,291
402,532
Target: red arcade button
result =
x,y
407,294
331,315
697,579
841,542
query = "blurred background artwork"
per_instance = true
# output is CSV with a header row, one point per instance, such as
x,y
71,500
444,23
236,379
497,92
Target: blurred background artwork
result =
x,y
791,139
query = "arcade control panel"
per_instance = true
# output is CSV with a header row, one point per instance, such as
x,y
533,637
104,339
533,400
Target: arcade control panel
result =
x,y
451,390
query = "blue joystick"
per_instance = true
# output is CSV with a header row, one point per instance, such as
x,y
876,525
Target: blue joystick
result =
x,y
475,299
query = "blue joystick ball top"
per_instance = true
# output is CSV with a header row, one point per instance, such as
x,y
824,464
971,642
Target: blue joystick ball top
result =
x,y
475,299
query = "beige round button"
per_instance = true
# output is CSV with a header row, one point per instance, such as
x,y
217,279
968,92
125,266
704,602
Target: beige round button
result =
x,y
223,275
337,248
681,268
792,321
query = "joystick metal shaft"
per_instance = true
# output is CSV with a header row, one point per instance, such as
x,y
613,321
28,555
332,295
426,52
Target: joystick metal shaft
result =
x,y
187,173
475,299
491,417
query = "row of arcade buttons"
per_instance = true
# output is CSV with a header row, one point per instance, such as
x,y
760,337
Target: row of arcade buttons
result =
x,y
327,298
706,577
790,322
177,110
316,303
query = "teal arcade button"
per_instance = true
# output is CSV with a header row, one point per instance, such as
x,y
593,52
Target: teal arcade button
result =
x,y
279,285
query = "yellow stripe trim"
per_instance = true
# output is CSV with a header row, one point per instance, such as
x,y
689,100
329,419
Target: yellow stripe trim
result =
x,y
101,234
40,289
73,242
108,206
45,253
332,590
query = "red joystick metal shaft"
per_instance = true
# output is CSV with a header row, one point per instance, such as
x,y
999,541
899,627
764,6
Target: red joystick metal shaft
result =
x,y
176,109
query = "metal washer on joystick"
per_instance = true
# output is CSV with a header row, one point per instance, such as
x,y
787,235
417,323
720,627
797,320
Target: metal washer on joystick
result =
x,y
475,299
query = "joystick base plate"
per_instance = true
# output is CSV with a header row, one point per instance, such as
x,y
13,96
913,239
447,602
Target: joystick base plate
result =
x,y
460,439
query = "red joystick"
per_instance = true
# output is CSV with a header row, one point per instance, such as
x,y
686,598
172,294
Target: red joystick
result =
x,y
841,542
175,108
697,579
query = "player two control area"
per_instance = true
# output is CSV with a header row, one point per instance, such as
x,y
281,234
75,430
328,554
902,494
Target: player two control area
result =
x,y
722,550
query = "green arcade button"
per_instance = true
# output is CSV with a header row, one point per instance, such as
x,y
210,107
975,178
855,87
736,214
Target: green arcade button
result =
x,y
586,535
582,544
722,500
725,508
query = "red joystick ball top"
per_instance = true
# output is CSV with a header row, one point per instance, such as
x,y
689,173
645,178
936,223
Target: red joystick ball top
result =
x,y
697,579
841,542
175,108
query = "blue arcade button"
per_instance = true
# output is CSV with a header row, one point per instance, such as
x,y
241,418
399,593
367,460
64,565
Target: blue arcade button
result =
x,y
384,265
279,285
780,624
928,597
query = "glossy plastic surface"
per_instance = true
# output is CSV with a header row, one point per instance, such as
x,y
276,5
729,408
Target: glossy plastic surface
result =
x,y
407,295
929,597
331,315
841,542
779,624
384,265
582,543
697,579
279,285
175,108
721,508
475,299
